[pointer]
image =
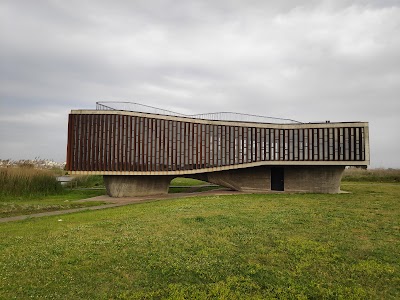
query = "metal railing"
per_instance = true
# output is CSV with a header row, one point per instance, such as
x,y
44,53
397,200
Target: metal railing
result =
x,y
217,116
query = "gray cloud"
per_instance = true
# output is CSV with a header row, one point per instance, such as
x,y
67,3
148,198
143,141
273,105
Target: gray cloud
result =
x,y
305,60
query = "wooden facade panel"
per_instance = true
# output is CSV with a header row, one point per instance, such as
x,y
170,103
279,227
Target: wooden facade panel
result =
x,y
110,142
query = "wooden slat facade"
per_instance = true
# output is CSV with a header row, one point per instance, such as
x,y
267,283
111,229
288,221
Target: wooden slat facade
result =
x,y
128,143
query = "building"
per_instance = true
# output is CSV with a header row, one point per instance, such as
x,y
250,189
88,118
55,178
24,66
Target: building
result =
x,y
140,149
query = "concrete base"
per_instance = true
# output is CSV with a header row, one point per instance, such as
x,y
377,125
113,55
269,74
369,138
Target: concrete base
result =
x,y
310,179
131,186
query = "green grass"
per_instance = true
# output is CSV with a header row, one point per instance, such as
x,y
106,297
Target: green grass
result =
x,y
281,246
35,200
25,205
181,181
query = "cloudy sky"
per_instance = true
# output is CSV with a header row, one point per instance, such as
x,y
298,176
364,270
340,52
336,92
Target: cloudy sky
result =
x,y
306,60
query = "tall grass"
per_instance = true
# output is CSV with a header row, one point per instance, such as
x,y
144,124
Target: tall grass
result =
x,y
22,181
372,175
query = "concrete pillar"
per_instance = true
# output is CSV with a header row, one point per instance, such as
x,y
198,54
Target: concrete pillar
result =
x,y
136,185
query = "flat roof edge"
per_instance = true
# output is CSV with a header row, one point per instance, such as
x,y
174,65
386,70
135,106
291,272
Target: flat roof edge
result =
x,y
219,122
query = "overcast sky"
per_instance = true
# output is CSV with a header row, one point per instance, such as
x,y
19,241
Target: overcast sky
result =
x,y
305,60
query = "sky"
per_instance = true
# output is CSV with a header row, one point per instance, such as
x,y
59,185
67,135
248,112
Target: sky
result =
x,y
304,60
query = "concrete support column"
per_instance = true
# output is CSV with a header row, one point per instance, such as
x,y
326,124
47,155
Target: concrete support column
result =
x,y
136,185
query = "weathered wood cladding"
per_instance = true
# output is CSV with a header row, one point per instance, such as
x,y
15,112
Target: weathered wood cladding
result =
x,y
116,142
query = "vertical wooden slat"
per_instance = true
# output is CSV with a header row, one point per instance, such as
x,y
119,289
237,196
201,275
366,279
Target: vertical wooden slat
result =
x,y
207,146
135,144
150,132
332,141
75,144
271,141
95,142
119,143
176,138
200,144
162,144
129,128
83,144
142,143
167,146
242,144
362,147
105,143
190,145
197,146
69,144
113,142
278,143
102,146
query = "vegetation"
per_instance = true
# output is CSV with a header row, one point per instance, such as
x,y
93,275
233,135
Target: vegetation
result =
x,y
89,181
372,175
27,190
66,199
27,182
285,246
181,181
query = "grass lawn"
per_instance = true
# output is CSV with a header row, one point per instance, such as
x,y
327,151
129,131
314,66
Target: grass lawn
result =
x,y
297,246
30,204
181,181
24,205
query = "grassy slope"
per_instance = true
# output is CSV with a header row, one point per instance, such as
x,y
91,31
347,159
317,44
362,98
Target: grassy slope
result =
x,y
227,247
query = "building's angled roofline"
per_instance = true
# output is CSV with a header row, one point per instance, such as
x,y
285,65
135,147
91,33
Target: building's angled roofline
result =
x,y
216,116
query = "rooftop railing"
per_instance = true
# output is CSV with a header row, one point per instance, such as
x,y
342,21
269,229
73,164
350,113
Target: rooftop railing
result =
x,y
217,116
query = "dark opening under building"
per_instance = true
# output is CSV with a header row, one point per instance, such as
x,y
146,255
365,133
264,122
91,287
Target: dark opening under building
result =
x,y
140,149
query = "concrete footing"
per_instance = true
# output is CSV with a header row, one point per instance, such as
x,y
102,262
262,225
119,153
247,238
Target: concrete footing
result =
x,y
130,186
308,179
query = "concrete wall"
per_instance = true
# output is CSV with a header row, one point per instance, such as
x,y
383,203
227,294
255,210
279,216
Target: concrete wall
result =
x,y
130,186
252,180
314,179
310,179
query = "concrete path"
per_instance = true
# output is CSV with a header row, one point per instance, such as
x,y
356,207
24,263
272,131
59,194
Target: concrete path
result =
x,y
116,202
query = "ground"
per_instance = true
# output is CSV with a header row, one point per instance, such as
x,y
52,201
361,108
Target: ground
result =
x,y
223,247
